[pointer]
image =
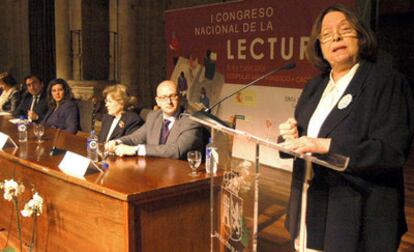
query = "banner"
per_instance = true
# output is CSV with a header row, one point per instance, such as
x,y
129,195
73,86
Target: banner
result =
x,y
244,40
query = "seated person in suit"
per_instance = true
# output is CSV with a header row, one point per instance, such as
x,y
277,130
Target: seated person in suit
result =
x,y
34,100
10,97
118,122
63,110
166,132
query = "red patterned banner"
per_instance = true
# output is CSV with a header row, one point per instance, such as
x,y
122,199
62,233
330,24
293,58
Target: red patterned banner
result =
x,y
246,39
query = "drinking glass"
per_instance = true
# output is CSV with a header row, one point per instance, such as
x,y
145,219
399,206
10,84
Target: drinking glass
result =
x,y
102,152
39,130
194,160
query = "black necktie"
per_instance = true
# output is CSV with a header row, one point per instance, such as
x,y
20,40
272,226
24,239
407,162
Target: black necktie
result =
x,y
165,131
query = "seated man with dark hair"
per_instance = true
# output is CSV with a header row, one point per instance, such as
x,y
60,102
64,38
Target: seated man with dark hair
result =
x,y
34,100
166,133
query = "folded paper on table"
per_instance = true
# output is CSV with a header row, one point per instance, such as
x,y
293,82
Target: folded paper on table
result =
x,y
81,165
3,140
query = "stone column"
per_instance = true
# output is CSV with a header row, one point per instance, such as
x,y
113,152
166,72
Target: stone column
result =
x,y
63,42
113,71
75,17
128,44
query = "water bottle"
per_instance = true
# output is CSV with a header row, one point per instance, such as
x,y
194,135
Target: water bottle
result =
x,y
92,146
22,129
212,157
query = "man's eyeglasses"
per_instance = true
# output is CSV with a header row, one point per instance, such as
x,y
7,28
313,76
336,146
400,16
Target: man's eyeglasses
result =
x,y
344,30
165,98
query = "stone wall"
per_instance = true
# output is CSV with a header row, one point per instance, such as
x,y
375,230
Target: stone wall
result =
x,y
14,34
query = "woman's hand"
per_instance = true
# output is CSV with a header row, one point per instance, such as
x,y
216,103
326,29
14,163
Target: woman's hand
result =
x,y
110,146
289,130
308,144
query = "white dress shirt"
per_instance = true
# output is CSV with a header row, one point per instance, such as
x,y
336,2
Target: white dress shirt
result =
x,y
141,151
113,125
330,97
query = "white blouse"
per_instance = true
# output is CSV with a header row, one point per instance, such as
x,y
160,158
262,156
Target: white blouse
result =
x,y
113,125
330,97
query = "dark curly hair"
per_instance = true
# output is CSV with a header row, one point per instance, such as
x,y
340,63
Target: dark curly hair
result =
x,y
66,88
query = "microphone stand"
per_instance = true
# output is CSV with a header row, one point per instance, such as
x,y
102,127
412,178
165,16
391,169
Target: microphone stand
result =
x,y
56,151
207,116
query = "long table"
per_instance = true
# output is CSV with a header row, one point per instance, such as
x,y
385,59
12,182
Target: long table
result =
x,y
137,204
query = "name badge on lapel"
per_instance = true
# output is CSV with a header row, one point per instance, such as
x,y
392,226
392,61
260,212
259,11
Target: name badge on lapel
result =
x,y
345,101
121,124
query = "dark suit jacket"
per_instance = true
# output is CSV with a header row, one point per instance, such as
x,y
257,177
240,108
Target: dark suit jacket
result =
x,y
185,135
361,209
65,117
129,122
41,107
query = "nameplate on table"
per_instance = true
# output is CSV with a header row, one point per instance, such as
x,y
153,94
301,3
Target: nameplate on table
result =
x,y
15,120
3,140
76,165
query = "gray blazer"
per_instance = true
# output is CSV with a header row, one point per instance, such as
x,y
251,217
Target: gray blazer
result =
x,y
185,135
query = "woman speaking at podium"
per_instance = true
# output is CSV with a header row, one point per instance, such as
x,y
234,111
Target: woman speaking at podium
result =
x,y
360,109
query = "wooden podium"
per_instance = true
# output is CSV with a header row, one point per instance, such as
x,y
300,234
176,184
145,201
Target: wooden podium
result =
x,y
137,204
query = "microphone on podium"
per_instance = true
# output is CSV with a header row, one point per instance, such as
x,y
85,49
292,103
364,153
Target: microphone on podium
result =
x,y
205,114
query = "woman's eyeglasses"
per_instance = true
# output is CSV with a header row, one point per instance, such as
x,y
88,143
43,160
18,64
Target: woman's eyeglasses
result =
x,y
344,30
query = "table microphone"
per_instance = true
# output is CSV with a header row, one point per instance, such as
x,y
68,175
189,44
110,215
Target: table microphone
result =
x,y
56,151
205,114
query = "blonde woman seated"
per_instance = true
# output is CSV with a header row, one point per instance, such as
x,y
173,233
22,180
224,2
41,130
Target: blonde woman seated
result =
x,y
119,121
10,97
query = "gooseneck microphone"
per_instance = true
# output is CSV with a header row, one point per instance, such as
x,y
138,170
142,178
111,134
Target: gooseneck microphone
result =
x,y
205,114
287,66
56,151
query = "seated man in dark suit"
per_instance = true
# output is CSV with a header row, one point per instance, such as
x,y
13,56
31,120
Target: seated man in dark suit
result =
x,y
166,132
34,101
